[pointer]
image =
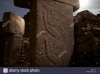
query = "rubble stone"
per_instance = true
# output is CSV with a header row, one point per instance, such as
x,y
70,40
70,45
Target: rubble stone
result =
x,y
87,37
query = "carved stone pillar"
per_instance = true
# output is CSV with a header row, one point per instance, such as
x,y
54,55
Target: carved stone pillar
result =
x,y
51,34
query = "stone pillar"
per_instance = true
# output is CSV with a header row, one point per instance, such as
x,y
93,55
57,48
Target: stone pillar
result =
x,y
27,24
51,34
13,25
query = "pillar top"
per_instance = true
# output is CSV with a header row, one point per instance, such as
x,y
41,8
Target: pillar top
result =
x,y
22,3
27,3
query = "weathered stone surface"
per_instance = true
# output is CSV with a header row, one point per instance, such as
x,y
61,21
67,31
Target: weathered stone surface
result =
x,y
24,54
27,3
13,23
22,3
96,32
74,3
2,44
87,37
14,26
51,35
0,26
27,24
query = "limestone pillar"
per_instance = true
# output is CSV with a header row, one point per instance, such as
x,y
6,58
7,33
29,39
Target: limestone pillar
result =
x,y
13,25
51,34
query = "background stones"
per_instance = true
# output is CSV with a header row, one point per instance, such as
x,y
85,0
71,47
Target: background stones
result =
x,y
86,35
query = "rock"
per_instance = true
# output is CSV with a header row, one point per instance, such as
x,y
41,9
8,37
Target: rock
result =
x,y
51,36
27,24
2,45
28,3
14,26
1,23
22,3
51,33
86,30
13,23
96,32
